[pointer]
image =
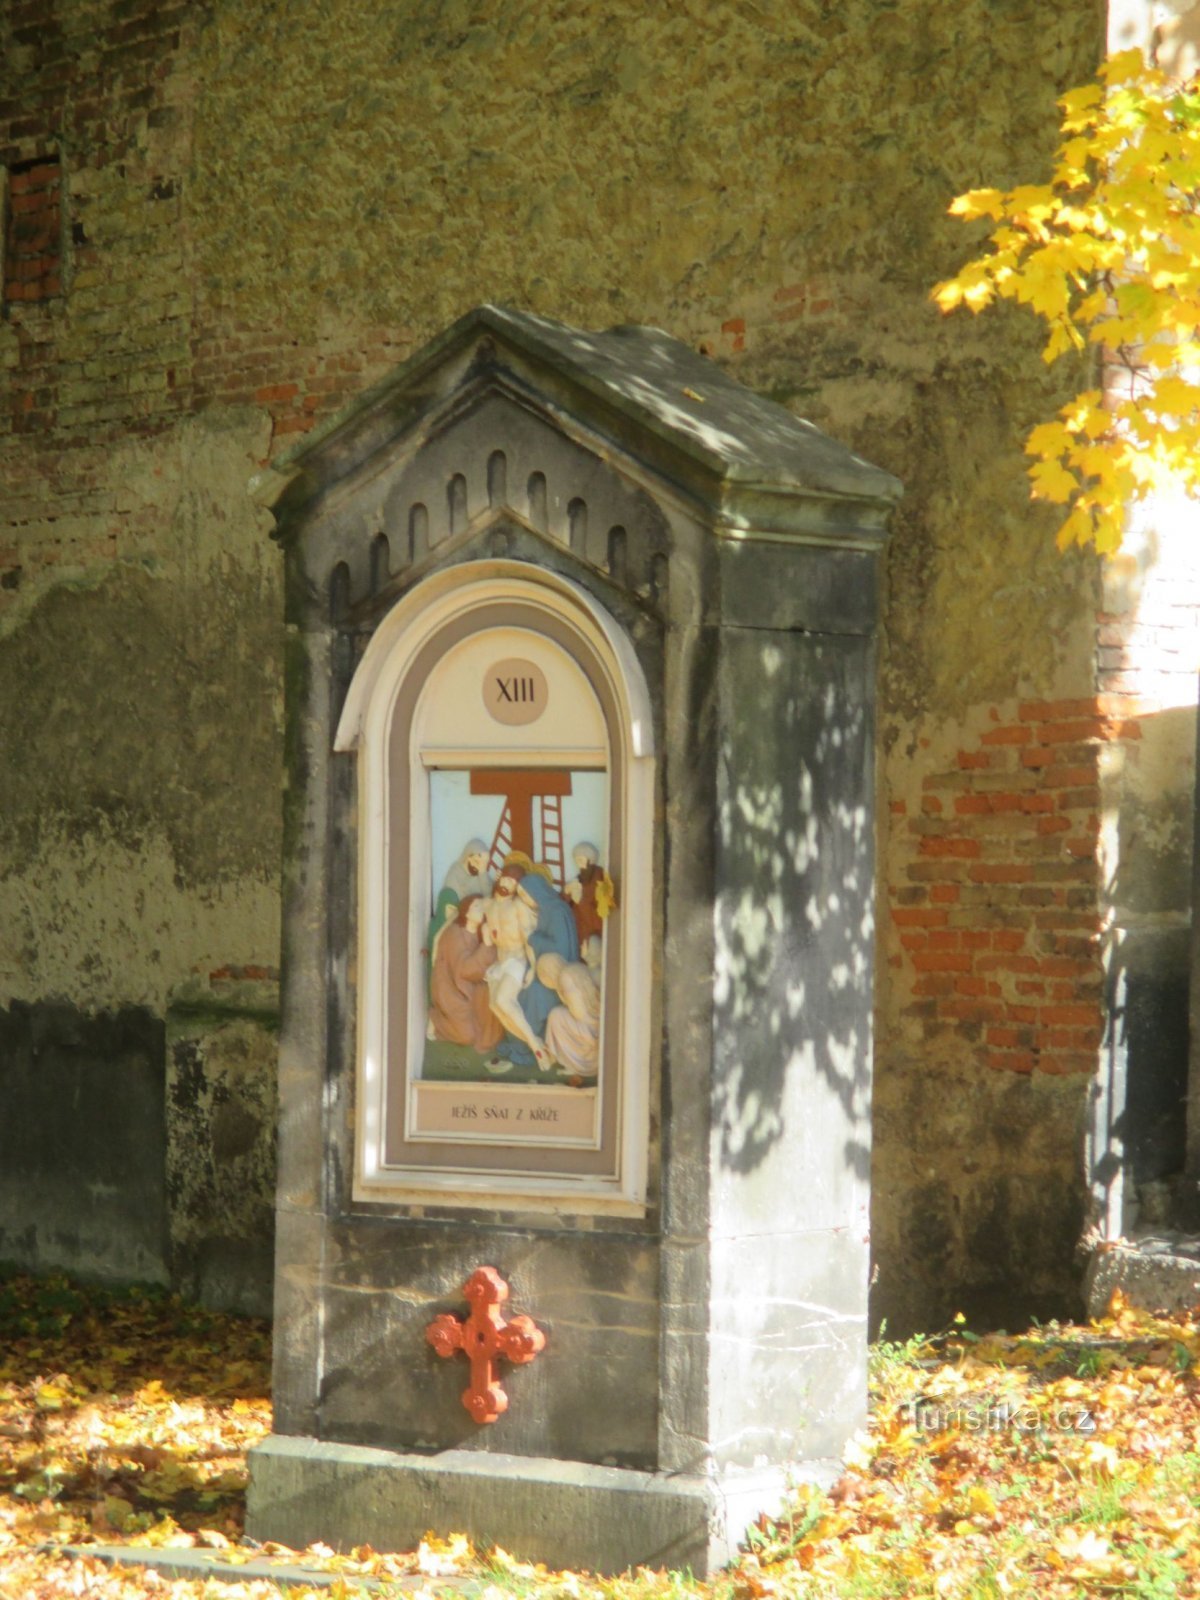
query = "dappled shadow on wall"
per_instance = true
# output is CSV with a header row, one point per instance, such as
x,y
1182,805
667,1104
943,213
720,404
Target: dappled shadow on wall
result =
x,y
794,919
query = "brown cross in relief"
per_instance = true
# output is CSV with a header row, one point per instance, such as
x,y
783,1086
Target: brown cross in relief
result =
x,y
520,787
484,1337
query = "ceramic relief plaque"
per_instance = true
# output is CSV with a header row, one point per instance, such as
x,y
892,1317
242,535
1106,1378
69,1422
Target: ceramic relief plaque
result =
x,y
504,794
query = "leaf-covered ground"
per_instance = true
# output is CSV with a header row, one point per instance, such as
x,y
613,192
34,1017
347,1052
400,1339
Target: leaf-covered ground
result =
x,y
1058,1463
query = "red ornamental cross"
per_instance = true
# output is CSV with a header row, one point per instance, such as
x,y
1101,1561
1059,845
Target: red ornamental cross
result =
x,y
485,1337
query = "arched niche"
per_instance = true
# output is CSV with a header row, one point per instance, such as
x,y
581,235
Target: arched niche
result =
x,y
506,780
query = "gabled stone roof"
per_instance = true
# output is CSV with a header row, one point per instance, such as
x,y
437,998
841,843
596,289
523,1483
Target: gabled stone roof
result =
x,y
750,463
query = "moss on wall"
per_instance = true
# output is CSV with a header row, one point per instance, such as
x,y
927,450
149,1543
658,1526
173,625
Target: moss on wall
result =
x,y
143,737
600,161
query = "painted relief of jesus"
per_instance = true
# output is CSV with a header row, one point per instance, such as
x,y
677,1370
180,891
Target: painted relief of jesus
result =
x,y
498,908
507,920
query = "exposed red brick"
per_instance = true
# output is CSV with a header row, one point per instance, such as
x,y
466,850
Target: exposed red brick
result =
x,y
1071,778
945,869
918,918
966,849
1077,732
1062,1063
966,1010
1006,1037
294,424
276,393
995,872
935,984
1006,963
942,961
1068,1014
1074,1038
1053,824
1018,1013
1011,1061
1005,801
1080,847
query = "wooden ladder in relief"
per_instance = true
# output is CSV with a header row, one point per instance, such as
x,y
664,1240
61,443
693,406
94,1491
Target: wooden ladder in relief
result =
x,y
501,841
552,838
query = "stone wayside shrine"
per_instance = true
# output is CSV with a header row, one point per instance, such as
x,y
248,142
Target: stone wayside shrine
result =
x,y
575,1072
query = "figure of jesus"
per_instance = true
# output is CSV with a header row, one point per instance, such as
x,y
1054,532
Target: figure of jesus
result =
x,y
505,920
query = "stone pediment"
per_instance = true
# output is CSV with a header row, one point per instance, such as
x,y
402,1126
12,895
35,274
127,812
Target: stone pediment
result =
x,y
633,399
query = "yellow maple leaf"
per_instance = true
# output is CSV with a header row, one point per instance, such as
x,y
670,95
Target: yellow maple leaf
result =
x,y
978,203
1051,481
1173,394
981,1502
1048,440
1076,103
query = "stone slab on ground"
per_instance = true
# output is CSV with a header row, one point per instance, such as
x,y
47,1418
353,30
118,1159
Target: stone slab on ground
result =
x,y
1158,1271
213,1565
566,1514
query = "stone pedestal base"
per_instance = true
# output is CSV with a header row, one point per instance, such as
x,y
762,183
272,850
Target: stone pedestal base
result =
x,y
563,1513
1157,1269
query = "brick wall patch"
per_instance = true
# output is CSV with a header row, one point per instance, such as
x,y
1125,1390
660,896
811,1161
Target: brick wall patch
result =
x,y
33,231
996,908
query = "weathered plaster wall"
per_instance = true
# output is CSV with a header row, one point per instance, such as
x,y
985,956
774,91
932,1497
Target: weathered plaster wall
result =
x,y
221,1116
143,734
140,647
268,205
